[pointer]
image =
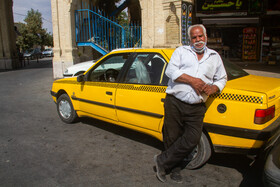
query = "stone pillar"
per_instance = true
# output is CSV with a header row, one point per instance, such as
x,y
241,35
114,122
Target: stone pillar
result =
x,y
8,52
172,14
65,50
153,27
161,23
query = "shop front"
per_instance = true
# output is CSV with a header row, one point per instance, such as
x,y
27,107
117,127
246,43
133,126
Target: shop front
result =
x,y
232,29
271,34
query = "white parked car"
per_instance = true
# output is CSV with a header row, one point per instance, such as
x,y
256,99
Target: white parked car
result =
x,y
78,69
82,67
48,52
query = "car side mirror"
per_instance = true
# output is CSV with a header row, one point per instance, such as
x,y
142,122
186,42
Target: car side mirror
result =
x,y
81,78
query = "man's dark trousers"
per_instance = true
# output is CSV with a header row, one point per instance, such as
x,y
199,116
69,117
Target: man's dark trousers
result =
x,y
182,130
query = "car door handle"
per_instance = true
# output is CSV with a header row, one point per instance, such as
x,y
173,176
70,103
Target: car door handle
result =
x,y
109,93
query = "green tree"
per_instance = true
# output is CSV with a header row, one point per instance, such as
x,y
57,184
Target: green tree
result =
x,y
47,39
31,32
34,25
123,19
22,40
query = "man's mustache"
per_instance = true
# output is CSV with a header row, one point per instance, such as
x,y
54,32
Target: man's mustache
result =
x,y
200,42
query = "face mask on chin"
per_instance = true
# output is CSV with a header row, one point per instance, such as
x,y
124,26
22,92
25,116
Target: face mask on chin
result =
x,y
198,50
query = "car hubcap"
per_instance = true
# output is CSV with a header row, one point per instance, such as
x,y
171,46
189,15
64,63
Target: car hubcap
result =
x,y
65,109
192,155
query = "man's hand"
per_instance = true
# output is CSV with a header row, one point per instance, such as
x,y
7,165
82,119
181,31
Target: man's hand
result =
x,y
210,89
196,83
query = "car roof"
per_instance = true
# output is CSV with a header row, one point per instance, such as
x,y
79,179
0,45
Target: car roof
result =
x,y
167,51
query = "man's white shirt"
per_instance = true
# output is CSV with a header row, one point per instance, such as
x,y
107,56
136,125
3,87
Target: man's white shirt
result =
x,y
209,69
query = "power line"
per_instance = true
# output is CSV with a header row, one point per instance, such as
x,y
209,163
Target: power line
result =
x,y
26,15
19,14
46,20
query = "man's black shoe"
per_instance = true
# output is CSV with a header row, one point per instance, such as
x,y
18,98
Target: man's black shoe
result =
x,y
176,176
160,170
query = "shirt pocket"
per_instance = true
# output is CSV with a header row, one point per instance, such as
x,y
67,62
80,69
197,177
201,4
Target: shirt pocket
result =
x,y
209,71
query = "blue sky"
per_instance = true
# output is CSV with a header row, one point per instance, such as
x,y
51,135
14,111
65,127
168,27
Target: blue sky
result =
x,y
21,7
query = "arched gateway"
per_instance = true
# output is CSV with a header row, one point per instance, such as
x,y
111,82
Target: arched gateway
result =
x,y
8,50
81,34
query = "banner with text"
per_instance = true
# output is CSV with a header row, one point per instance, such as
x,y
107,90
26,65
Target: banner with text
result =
x,y
217,6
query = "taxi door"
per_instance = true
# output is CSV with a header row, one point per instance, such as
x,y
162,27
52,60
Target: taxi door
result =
x,y
140,96
97,94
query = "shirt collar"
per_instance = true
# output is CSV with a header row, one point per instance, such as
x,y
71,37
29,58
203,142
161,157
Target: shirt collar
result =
x,y
207,52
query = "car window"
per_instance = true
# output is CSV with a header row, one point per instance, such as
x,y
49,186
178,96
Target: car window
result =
x,y
233,71
108,70
146,69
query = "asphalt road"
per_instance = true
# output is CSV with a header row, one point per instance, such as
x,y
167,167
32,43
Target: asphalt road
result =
x,y
38,149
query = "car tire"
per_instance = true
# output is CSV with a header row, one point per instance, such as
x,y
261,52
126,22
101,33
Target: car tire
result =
x,y
200,155
271,171
65,109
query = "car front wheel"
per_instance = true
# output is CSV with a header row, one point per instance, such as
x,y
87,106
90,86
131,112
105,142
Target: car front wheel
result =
x,y
200,155
65,109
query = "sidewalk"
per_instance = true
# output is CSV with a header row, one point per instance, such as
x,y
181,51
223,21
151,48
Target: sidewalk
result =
x,y
41,63
258,68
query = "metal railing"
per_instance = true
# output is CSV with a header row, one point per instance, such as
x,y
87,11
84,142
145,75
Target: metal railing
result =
x,y
95,30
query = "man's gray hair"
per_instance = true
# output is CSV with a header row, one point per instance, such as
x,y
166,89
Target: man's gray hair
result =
x,y
197,25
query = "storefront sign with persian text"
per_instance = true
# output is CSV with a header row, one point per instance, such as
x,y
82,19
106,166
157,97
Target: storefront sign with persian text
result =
x,y
216,6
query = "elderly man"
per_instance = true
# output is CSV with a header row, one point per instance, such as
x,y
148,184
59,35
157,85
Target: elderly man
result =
x,y
194,72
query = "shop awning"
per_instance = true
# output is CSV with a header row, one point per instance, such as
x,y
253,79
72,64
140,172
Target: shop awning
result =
x,y
227,21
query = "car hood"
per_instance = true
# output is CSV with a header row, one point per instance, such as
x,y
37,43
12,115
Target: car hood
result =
x,y
84,66
267,85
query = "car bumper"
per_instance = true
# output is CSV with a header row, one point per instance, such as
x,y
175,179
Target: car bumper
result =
x,y
53,93
48,55
264,135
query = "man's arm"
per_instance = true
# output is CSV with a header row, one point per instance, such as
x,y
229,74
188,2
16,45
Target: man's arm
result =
x,y
197,84
220,79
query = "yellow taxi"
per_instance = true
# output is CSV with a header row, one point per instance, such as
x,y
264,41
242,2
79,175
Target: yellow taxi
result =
x,y
127,87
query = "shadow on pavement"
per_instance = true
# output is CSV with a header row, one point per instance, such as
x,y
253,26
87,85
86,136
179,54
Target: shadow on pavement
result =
x,y
41,63
124,132
251,171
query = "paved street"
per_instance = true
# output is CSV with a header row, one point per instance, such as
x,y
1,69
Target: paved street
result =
x,y
38,149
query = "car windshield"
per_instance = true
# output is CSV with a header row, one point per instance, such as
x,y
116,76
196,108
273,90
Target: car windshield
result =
x,y
233,71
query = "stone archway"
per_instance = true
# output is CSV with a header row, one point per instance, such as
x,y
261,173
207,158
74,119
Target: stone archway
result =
x,y
134,11
8,51
160,21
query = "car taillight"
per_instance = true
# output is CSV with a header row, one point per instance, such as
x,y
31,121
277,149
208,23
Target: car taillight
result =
x,y
264,115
